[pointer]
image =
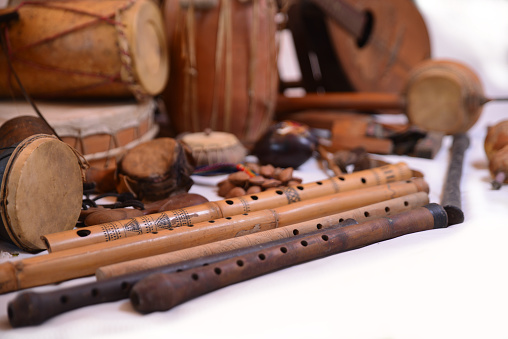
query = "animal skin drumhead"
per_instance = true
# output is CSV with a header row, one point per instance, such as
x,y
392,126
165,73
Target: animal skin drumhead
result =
x,y
41,192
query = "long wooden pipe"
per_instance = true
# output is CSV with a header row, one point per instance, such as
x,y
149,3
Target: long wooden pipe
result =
x,y
83,261
212,210
32,308
440,95
161,292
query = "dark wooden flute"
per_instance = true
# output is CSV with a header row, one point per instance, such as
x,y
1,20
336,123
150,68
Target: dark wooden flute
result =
x,y
32,308
162,291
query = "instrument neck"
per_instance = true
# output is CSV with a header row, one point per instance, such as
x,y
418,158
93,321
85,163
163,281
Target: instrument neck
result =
x,y
354,21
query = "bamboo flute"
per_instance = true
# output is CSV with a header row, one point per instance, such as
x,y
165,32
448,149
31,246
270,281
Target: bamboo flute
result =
x,y
163,291
32,308
83,261
113,231
384,208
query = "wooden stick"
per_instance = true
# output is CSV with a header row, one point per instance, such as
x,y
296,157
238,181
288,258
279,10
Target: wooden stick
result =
x,y
161,292
385,208
83,261
32,308
112,231
451,199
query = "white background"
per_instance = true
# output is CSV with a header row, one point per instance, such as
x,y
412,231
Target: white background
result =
x,y
449,283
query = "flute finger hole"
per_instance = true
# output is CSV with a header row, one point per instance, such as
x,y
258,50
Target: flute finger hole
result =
x,y
319,226
319,183
125,285
324,237
239,263
300,188
366,214
211,221
95,292
194,276
387,209
341,178
64,299
254,197
217,271
364,181
283,249
261,256
229,202
406,203
279,192
304,243
296,232
83,233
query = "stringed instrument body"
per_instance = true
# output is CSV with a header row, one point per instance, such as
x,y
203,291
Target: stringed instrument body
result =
x,y
374,44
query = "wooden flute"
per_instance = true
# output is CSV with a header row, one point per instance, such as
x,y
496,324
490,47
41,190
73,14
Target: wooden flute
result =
x,y
32,308
83,261
384,208
224,208
162,291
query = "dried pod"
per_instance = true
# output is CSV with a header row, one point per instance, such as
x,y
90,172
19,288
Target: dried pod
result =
x,y
110,215
267,171
182,200
496,139
238,178
257,180
271,183
286,174
294,181
254,189
224,187
235,192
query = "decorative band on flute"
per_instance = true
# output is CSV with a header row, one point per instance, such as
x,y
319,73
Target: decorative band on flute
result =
x,y
224,208
83,261
163,291
32,308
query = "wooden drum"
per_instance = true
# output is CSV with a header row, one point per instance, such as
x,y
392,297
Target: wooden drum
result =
x,y
223,64
100,131
444,96
86,48
41,190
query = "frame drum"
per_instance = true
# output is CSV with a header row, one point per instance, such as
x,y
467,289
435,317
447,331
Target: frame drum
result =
x,y
41,191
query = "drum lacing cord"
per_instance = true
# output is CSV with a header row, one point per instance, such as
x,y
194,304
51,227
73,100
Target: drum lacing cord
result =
x,y
97,18
6,50
122,199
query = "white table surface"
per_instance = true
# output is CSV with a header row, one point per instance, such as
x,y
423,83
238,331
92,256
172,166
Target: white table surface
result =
x,y
448,283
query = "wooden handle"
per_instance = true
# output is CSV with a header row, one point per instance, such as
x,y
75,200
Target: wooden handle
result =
x,y
156,222
345,100
161,292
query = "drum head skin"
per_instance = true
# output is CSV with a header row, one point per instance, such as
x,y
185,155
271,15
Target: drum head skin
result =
x,y
41,191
